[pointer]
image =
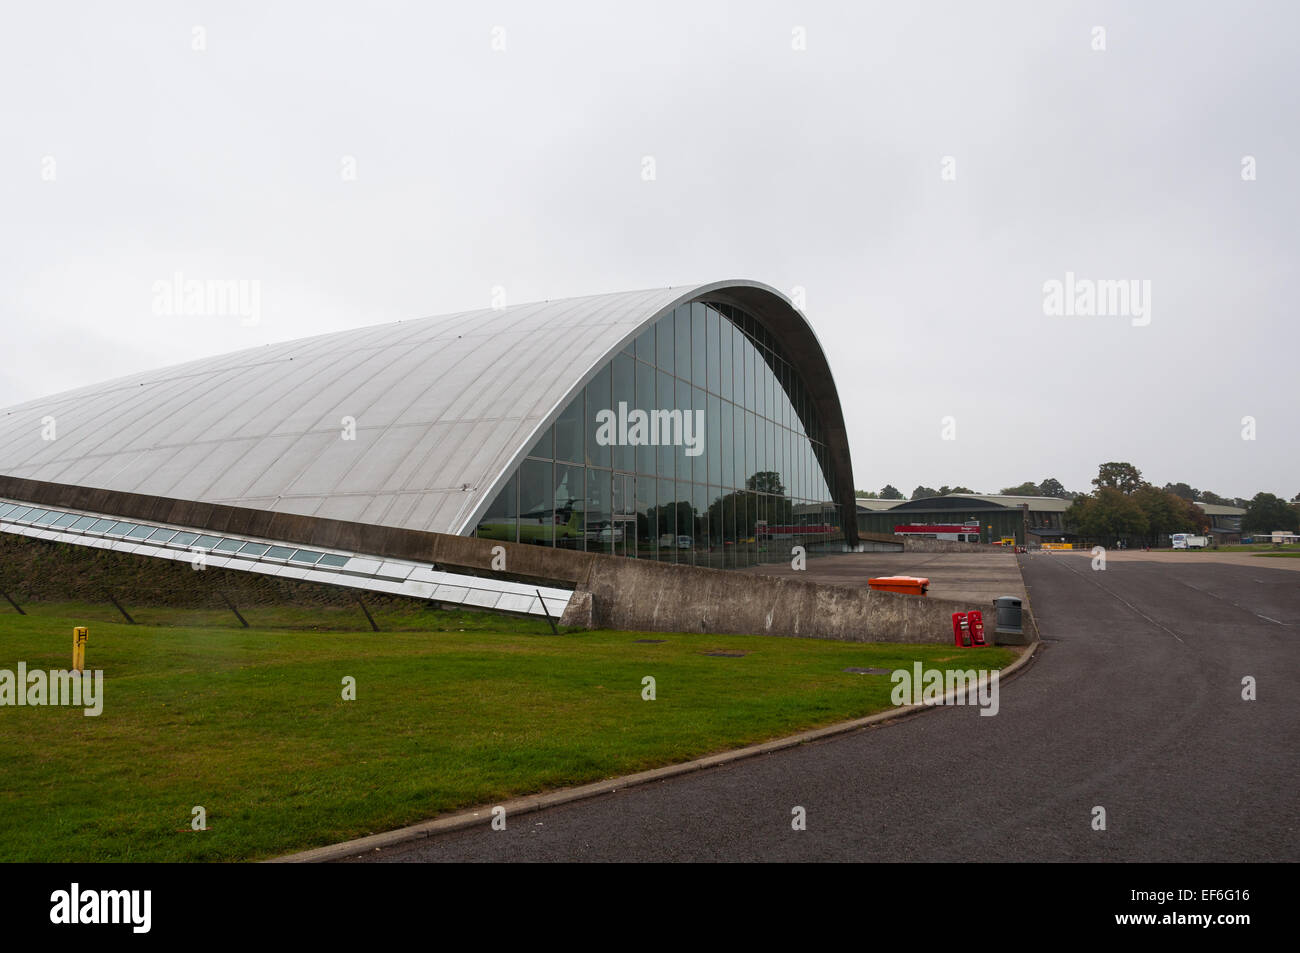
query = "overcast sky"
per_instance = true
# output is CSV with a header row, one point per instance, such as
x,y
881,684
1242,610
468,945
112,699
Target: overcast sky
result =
x,y
374,162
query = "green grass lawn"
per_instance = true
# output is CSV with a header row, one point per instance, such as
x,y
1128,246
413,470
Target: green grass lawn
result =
x,y
1256,549
1253,548
470,709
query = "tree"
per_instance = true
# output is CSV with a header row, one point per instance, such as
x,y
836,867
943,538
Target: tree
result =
x,y
1168,512
1051,487
1183,490
1214,498
945,490
890,492
924,493
1267,512
1118,476
1024,489
767,481
1107,513
866,494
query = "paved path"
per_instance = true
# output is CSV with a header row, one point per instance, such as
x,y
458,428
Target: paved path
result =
x,y
967,577
1134,705
1197,557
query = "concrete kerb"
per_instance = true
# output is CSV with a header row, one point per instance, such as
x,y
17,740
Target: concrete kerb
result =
x,y
1037,634
537,802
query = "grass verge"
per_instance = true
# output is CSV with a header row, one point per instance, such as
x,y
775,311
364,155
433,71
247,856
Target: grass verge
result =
x,y
251,725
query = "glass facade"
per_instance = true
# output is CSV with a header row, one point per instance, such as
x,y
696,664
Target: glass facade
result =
x,y
697,444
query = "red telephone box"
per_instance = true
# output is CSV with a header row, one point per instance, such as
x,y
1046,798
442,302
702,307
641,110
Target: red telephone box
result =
x,y
961,630
977,629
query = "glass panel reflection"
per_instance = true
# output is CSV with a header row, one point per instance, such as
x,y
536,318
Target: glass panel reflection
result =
x,y
571,504
710,378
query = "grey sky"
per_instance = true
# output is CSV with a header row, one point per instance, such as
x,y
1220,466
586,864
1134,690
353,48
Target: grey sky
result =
x,y
819,168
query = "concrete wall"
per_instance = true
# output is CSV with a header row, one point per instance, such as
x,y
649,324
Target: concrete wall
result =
x,y
654,597
915,545
644,595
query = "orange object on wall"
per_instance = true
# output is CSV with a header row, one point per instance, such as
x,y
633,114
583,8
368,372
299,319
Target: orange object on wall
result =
x,y
908,585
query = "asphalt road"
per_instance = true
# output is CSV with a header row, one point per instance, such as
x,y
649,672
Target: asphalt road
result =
x,y
1134,705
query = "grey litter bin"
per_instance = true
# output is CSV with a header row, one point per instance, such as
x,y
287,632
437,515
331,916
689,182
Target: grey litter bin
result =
x,y
1010,620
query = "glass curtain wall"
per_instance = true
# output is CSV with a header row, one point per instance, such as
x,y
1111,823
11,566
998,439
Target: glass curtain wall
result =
x,y
696,444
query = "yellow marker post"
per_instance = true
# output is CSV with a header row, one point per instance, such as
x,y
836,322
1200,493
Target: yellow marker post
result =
x,y
79,636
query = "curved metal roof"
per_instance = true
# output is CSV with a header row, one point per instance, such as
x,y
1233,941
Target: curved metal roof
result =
x,y
445,408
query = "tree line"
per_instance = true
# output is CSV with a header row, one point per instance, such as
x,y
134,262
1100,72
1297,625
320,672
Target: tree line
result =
x,y
1124,505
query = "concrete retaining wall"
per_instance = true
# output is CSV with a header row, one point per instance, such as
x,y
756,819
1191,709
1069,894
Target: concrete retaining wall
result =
x,y
915,545
642,596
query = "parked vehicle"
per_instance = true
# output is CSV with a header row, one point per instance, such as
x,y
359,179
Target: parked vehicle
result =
x,y
1189,541
610,534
